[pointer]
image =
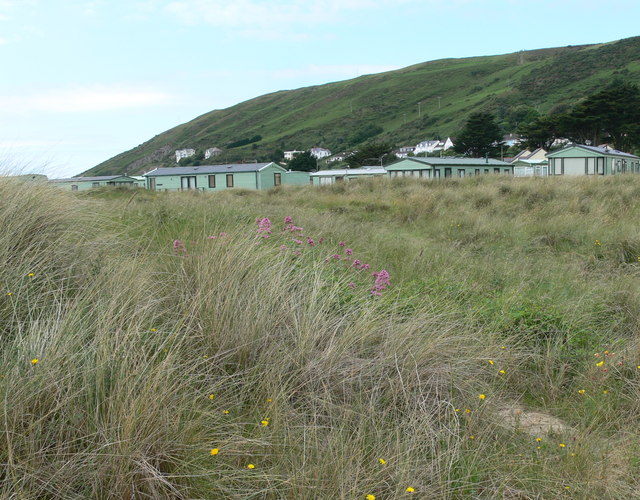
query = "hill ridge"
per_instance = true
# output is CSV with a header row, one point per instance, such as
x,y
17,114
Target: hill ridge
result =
x,y
411,104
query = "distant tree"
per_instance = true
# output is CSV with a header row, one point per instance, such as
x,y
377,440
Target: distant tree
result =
x,y
303,162
520,115
277,155
479,137
372,154
611,115
541,132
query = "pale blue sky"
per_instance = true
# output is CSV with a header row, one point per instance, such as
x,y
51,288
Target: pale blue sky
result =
x,y
85,80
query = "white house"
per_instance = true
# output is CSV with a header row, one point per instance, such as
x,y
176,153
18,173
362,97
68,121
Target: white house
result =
x,y
339,157
212,152
184,153
288,155
511,140
404,151
433,146
319,153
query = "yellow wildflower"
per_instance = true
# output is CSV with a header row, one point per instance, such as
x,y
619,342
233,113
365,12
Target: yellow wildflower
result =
x,y
34,361
467,410
539,447
600,363
472,437
457,410
562,445
153,330
481,397
31,275
502,372
538,440
573,454
214,451
382,461
211,396
503,347
605,392
264,422
9,294
491,362
370,497
269,400
226,412
410,490
251,466
581,391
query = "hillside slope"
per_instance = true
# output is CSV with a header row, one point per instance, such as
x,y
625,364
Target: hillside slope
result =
x,y
339,115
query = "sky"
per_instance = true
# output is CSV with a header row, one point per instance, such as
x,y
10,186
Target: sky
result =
x,y
84,80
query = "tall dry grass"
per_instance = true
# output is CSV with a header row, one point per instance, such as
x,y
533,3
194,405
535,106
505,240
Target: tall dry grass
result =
x,y
150,357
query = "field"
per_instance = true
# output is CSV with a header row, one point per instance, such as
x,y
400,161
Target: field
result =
x,y
180,345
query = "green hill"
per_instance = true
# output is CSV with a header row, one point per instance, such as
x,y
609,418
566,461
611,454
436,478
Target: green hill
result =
x,y
342,115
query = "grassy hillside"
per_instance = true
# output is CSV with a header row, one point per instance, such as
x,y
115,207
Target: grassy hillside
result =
x,y
500,362
334,115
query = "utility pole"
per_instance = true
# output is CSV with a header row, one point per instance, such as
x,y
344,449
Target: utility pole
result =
x,y
419,109
438,101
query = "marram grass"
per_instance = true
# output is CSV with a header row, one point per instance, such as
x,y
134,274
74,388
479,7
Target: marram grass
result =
x,y
186,351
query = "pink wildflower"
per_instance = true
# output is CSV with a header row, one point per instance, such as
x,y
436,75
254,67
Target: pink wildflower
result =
x,y
264,227
342,244
356,263
365,266
212,237
321,240
311,242
348,251
288,219
222,234
381,283
336,256
292,228
178,247
297,241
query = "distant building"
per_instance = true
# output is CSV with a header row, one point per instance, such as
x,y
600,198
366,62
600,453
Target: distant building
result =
x,y
436,168
511,140
339,157
220,177
530,164
184,153
210,152
319,153
404,151
525,154
578,159
433,146
322,177
288,155
84,183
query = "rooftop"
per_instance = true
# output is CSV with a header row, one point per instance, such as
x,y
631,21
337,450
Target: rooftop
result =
x,y
596,149
464,162
351,171
210,169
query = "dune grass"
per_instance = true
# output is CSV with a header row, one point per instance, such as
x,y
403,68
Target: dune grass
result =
x,y
128,357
